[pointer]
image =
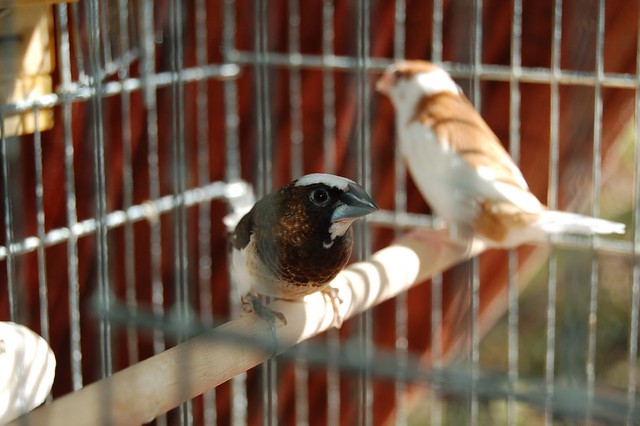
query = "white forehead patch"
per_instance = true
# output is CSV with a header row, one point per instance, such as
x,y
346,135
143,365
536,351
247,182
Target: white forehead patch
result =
x,y
437,81
329,180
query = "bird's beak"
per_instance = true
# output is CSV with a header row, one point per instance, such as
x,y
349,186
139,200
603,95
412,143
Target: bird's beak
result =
x,y
355,204
385,83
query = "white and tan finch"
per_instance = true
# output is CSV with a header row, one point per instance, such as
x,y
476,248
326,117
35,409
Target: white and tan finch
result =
x,y
462,170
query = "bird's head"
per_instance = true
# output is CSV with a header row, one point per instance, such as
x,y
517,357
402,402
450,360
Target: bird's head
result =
x,y
406,82
329,203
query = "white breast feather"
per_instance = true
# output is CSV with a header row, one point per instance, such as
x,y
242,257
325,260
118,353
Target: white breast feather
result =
x,y
244,279
253,276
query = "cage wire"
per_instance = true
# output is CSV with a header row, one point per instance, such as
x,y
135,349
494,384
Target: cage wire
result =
x,y
164,113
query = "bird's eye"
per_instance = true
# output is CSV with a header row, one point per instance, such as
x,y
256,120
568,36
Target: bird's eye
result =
x,y
319,197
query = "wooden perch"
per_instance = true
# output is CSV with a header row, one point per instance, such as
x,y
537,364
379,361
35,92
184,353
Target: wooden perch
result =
x,y
152,387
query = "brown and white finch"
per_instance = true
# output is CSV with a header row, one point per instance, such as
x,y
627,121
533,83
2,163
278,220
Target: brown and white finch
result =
x,y
462,170
295,240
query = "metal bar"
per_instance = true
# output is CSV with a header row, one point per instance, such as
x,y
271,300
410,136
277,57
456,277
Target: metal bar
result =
x,y
148,211
328,89
551,336
400,206
132,84
264,178
295,91
232,173
178,176
363,152
323,62
64,59
102,250
333,377
436,281
554,80
436,346
77,43
43,290
595,210
103,289
552,202
488,72
329,155
635,278
476,66
514,150
399,30
302,386
128,50
263,182
388,218
232,120
105,29
436,32
475,263
301,373
127,183
474,272
153,161
204,212
14,313
178,163
40,219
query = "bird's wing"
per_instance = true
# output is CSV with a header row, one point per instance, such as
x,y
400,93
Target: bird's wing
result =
x,y
455,121
243,230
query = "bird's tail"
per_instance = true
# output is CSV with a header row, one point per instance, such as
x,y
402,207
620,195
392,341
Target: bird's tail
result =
x,y
555,222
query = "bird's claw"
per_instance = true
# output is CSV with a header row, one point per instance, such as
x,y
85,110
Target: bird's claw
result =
x,y
252,303
332,294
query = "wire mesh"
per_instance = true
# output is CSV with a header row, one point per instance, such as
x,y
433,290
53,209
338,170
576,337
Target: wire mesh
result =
x,y
163,112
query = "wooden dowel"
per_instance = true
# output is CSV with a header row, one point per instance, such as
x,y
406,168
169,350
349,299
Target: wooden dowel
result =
x,y
152,387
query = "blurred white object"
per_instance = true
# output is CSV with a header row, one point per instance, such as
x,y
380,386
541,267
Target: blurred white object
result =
x,y
241,200
27,369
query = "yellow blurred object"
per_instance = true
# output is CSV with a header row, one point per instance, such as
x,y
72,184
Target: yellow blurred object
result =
x,y
21,3
26,61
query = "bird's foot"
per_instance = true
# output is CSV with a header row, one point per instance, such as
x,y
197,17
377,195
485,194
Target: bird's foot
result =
x,y
331,293
251,303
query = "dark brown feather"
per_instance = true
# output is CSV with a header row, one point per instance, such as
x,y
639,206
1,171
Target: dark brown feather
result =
x,y
289,232
496,219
